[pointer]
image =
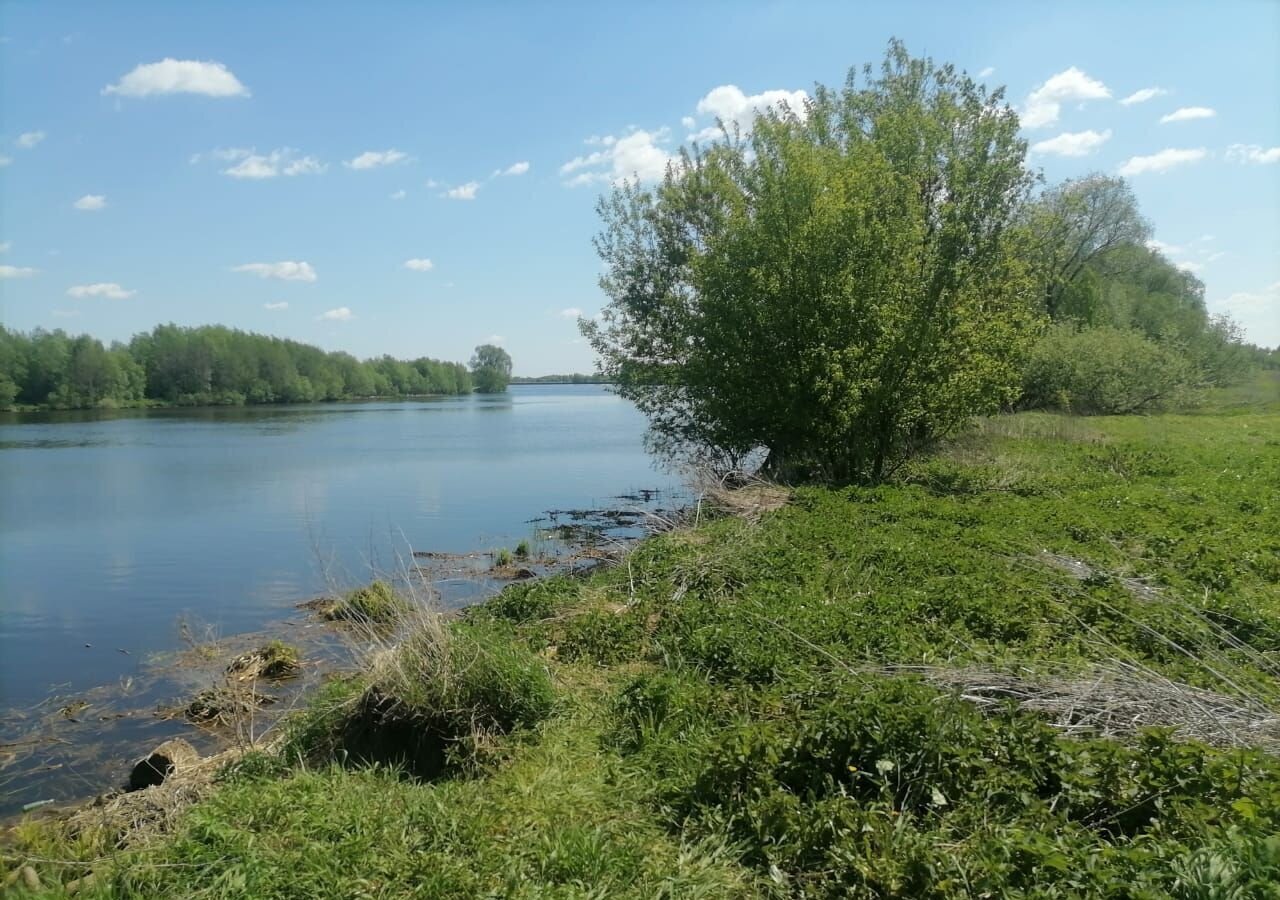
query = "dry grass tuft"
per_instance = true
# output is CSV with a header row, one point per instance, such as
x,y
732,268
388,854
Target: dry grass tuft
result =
x,y
745,496
1082,571
1115,700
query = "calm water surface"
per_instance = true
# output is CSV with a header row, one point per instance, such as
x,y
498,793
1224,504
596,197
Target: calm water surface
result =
x,y
113,527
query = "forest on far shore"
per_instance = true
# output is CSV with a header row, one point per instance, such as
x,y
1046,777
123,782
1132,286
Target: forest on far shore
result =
x,y
202,366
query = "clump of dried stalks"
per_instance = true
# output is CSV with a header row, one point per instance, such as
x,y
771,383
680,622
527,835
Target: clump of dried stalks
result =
x,y
1114,699
1082,571
128,818
743,495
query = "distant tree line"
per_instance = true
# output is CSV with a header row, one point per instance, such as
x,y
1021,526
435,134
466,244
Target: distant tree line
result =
x,y
575,378
206,365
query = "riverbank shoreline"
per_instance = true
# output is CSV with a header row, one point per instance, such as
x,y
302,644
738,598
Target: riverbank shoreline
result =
x,y
986,675
78,730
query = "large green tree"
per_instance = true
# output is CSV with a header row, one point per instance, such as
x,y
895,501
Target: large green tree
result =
x,y
1081,231
491,369
837,288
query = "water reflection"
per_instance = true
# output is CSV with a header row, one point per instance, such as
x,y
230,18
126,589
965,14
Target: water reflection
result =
x,y
115,523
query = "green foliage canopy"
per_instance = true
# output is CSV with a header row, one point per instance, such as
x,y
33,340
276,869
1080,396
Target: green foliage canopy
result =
x,y
491,369
837,288
1105,370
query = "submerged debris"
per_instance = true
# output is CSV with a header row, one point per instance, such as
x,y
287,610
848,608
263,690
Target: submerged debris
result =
x,y
275,659
225,705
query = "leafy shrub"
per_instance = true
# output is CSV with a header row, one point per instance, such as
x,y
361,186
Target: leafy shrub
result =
x,y
1105,370
821,320
431,703
851,786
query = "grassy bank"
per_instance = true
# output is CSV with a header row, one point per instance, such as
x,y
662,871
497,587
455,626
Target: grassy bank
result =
x,y
1042,663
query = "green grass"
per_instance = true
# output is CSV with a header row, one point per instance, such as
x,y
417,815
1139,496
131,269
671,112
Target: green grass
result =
x,y
377,602
725,714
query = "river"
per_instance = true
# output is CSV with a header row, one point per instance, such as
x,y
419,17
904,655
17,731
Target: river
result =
x,y
116,527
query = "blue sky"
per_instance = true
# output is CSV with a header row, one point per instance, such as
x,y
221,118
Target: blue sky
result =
x,y
280,167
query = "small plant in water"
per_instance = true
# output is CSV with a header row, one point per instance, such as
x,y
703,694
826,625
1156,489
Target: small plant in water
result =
x,y
376,602
522,550
502,558
275,659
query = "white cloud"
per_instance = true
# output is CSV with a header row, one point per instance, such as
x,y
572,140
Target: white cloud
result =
x,y
518,168
307,165
1143,96
1199,253
108,289
1073,143
987,72
1252,153
463,191
4,246
5,160
571,313
1045,102
91,203
17,271
495,339
372,159
689,122
730,105
1187,114
1166,249
1161,162
285,271
283,161
431,183
398,195
283,304
1257,311
29,139
179,76
636,154
419,265
341,314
